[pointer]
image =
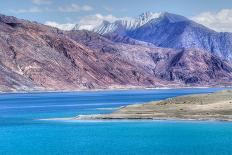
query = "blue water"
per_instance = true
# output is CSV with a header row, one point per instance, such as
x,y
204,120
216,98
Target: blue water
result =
x,y
21,133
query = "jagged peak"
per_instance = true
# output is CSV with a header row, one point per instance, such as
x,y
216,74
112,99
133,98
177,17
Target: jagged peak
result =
x,y
148,15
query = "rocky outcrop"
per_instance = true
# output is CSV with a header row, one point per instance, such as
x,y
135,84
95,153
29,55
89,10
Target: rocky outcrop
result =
x,y
194,67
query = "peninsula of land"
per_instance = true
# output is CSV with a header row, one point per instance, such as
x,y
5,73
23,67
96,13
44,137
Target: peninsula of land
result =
x,y
212,106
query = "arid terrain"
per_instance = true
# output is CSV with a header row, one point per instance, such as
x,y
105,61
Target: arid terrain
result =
x,y
215,106
35,57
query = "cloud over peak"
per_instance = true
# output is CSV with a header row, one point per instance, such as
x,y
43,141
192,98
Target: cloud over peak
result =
x,y
89,22
66,26
86,23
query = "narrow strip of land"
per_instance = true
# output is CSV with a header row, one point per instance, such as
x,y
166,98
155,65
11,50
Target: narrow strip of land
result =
x,y
214,106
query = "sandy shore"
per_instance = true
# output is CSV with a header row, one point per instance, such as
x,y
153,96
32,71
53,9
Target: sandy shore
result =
x,y
215,106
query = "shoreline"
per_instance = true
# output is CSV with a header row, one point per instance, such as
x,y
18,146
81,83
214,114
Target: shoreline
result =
x,y
109,89
73,119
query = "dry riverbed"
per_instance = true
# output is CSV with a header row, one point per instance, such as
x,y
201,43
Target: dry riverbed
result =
x,y
214,106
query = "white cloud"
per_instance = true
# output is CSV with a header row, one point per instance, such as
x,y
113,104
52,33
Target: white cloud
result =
x,y
97,18
40,2
75,8
28,10
89,22
220,21
66,26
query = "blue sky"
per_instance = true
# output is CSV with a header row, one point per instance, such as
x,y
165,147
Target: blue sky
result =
x,y
72,11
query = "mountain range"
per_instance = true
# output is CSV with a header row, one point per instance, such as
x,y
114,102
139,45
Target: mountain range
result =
x,y
169,31
164,50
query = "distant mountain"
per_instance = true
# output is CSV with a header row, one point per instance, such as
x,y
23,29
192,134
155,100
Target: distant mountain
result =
x,y
174,31
38,57
119,26
169,31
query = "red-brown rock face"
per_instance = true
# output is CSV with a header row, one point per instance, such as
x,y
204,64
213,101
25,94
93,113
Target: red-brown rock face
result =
x,y
37,57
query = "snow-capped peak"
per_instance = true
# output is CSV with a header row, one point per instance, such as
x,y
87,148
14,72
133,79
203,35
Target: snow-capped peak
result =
x,y
120,25
88,25
147,16
127,24
132,23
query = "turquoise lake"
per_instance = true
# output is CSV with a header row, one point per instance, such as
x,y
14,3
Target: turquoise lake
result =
x,y
22,133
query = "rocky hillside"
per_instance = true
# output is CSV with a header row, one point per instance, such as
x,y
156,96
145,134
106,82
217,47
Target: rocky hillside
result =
x,y
175,66
38,57
34,56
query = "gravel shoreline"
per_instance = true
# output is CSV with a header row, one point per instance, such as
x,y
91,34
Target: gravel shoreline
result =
x,y
215,106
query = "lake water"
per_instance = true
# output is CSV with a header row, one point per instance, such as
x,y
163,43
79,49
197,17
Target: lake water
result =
x,y
21,133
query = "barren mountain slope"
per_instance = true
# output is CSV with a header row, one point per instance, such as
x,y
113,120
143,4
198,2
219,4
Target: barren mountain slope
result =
x,y
38,57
